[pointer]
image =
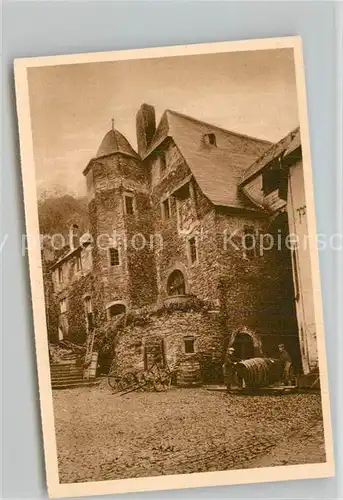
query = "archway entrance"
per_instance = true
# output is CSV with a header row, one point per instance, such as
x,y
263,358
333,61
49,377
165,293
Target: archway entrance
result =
x,y
244,346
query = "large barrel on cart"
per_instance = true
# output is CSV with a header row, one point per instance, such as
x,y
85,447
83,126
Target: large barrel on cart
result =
x,y
259,372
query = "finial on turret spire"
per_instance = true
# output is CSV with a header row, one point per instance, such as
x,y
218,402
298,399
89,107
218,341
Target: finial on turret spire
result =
x,y
112,123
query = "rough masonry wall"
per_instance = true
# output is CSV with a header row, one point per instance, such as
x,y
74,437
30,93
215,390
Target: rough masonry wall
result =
x,y
205,327
106,221
201,277
256,292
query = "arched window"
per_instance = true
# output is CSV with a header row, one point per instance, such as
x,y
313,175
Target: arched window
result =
x,y
115,309
176,283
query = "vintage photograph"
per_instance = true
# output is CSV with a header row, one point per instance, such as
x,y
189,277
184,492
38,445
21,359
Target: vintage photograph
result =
x,y
170,226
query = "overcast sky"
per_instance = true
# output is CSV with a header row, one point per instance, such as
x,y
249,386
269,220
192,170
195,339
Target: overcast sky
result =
x,y
72,105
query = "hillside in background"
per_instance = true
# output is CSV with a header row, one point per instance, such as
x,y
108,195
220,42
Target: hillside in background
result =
x,y
58,212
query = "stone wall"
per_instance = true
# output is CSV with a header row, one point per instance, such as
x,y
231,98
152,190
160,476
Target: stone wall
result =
x,y
173,327
191,216
256,292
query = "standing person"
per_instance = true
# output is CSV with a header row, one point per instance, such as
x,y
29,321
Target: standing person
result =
x,y
286,362
230,360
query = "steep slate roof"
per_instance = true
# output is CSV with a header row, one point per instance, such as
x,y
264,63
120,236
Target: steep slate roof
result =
x,y
217,169
115,142
282,148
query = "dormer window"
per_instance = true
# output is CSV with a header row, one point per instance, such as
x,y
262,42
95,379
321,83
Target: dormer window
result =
x,y
271,178
210,139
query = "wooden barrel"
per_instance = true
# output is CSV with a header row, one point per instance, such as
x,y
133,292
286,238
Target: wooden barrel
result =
x,y
189,374
254,372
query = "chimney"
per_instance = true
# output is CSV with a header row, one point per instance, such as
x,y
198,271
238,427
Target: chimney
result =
x,y
145,127
74,236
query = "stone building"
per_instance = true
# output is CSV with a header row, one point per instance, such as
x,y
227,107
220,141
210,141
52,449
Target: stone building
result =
x,y
176,237
275,182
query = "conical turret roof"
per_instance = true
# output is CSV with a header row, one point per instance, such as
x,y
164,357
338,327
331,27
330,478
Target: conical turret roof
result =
x,y
115,142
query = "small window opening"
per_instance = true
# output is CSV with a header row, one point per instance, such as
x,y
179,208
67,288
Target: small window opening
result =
x,y
183,193
166,209
129,204
189,343
114,256
193,251
211,139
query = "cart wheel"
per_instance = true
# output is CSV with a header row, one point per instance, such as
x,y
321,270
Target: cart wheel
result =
x,y
149,382
114,382
162,381
141,381
128,381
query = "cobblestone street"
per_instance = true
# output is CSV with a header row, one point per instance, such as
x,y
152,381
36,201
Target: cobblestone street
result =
x,y
101,436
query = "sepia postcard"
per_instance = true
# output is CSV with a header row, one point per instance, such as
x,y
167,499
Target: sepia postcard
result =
x,y
174,268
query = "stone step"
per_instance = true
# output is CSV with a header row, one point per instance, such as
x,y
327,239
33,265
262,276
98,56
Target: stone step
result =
x,y
66,378
72,385
67,375
67,370
63,364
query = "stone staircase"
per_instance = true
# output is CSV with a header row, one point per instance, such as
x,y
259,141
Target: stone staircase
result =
x,y
68,375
